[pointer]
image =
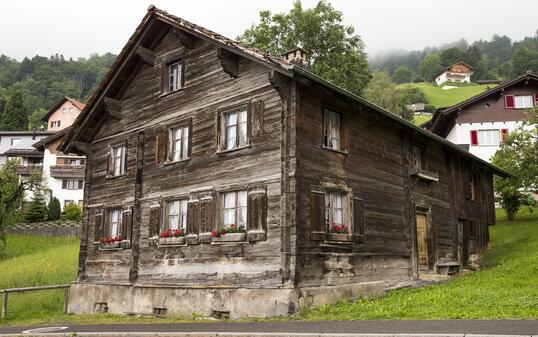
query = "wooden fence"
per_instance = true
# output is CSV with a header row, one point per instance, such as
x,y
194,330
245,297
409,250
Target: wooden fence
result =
x,y
5,293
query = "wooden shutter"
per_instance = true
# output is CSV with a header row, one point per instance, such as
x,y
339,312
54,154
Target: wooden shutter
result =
x,y
98,225
358,217
257,210
207,215
80,183
109,166
161,142
318,230
64,184
257,108
504,135
127,224
474,137
220,131
193,217
509,102
154,221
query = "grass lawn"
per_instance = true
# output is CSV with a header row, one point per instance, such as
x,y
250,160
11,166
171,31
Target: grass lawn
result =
x,y
419,119
506,288
442,98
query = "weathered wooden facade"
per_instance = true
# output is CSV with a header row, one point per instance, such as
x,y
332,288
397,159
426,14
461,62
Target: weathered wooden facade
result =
x,y
320,192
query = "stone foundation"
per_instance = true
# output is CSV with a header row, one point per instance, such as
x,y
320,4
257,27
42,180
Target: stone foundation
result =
x,y
208,302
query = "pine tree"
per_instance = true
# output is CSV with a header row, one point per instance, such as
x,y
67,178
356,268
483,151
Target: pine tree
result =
x,y
14,117
54,209
38,208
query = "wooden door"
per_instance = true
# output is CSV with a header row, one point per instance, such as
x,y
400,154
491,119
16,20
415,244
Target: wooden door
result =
x,y
422,240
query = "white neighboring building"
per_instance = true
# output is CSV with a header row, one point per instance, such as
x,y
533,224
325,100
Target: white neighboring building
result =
x,y
458,72
64,173
480,123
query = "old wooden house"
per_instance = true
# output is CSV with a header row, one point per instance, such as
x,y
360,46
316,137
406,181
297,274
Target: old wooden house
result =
x,y
223,181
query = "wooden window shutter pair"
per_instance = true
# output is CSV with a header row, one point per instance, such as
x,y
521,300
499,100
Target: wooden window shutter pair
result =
x,y
127,225
154,221
257,210
193,217
318,227
161,145
257,110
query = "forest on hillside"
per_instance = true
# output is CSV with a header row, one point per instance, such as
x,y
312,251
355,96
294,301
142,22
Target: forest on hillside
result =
x,y
29,88
498,58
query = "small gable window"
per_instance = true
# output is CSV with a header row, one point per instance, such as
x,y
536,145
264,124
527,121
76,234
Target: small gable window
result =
x,y
175,74
332,135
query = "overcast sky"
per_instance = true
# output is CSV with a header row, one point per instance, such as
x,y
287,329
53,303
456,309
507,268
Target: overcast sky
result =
x,y
78,28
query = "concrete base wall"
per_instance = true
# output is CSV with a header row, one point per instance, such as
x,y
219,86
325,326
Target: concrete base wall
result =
x,y
239,303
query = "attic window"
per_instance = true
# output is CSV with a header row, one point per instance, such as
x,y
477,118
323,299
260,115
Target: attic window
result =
x,y
175,75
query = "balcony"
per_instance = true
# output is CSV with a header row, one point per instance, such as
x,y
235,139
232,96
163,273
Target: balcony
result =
x,y
26,170
67,171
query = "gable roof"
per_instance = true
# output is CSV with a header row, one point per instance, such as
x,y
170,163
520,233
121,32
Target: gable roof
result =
x,y
460,62
40,145
77,104
443,116
273,62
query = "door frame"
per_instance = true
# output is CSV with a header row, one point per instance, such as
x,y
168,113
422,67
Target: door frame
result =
x,y
424,210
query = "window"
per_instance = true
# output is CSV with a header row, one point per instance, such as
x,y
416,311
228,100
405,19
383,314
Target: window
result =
x,y
235,129
524,101
335,209
72,184
117,160
55,124
488,137
15,141
332,130
174,76
75,162
474,186
234,206
179,143
417,158
113,223
64,110
176,217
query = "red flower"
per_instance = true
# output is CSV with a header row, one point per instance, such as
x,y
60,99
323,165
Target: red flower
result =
x,y
213,234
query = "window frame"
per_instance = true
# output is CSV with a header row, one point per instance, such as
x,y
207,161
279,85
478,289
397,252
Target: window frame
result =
x,y
165,80
345,209
74,185
107,221
421,160
329,111
491,132
223,127
170,141
112,163
165,222
532,100
237,209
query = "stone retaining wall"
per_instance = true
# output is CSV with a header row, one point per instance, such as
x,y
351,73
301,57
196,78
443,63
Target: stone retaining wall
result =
x,y
48,228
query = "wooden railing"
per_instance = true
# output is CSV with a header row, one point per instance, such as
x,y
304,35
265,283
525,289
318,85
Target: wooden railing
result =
x,y
5,293
67,171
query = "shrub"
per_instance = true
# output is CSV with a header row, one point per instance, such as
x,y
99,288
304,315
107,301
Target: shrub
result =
x,y
54,209
38,208
73,212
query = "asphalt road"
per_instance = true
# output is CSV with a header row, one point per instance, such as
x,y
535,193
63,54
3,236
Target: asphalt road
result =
x,y
483,327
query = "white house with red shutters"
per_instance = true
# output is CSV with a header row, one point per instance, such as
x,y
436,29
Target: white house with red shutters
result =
x,y
480,123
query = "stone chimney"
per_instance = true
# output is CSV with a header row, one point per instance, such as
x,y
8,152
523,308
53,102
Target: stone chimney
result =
x,y
296,56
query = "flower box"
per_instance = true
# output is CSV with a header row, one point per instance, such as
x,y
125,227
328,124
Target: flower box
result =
x,y
340,237
110,245
230,237
180,240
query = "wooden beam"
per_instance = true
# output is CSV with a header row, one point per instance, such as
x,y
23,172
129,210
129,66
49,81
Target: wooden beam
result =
x,y
229,62
281,83
84,147
187,39
147,55
112,107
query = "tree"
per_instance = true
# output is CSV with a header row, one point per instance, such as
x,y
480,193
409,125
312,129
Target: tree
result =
x,y
34,120
403,75
55,209
73,212
524,59
451,56
12,190
38,209
384,93
335,52
517,155
430,67
14,117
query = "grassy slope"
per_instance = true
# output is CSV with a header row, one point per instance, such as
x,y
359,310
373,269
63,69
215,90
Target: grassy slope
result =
x,y
505,289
